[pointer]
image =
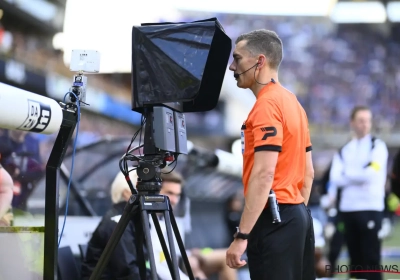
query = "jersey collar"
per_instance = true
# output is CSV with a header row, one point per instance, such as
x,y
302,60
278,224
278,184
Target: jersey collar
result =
x,y
266,89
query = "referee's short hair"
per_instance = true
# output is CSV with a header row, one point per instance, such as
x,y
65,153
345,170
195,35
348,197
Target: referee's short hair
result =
x,y
357,109
264,42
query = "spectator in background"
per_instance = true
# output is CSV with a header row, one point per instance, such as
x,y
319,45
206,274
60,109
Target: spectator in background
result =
x,y
234,208
204,262
317,212
21,158
320,260
359,169
6,40
334,228
6,195
395,175
123,263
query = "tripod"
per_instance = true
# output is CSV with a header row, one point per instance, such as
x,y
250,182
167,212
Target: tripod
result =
x,y
142,203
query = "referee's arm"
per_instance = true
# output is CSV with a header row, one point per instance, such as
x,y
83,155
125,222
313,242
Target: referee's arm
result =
x,y
305,191
260,183
268,138
308,178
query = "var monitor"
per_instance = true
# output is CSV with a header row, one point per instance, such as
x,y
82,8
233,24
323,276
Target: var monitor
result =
x,y
179,65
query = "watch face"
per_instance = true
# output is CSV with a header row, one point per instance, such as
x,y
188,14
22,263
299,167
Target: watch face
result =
x,y
240,235
236,233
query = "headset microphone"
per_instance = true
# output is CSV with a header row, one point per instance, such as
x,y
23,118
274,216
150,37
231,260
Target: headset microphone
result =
x,y
237,75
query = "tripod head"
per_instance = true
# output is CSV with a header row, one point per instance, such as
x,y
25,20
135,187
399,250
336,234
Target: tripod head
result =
x,y
149,178
165,139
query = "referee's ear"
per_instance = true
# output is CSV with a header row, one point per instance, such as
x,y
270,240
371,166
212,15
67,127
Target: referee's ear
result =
x,y
262,60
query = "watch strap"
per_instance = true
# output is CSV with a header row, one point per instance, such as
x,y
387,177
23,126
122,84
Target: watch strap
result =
x,y
240,235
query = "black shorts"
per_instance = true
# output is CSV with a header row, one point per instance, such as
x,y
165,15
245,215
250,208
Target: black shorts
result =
x,y
283,251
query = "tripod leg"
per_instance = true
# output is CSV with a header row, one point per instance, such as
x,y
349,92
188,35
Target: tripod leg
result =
x,y
180,244
130,207
146,230
163,243
139,238
171,243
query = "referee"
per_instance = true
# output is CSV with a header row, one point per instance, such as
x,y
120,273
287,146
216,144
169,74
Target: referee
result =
x,y
359,170
276,155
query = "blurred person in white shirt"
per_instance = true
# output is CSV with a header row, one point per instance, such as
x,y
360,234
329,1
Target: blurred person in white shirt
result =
x,y
359,169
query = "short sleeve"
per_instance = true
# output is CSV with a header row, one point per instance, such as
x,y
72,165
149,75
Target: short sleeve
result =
x,y
267,127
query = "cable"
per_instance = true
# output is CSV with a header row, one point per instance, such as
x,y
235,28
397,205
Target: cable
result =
x,y
272,80
142,122
133,139
176,163
133,169
134,149
72,162
139,131
123,166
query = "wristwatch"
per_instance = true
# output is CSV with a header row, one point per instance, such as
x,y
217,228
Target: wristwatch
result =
x,y
240,235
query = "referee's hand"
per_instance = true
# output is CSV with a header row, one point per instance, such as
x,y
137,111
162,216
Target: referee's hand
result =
x,y
235,252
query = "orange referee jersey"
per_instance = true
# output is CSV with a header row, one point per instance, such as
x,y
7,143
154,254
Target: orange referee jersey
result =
x,y
278,123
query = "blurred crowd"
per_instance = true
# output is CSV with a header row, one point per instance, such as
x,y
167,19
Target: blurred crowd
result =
x,y
35,52
327,66
332,68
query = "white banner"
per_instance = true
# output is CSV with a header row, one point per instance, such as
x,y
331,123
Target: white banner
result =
x,y
24,110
